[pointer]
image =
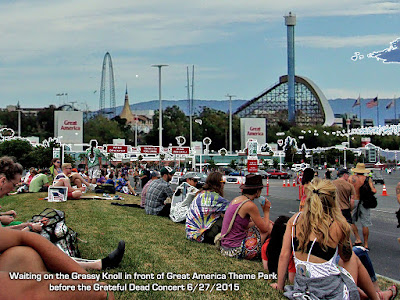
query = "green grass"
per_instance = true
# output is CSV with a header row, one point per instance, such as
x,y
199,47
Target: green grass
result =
x,y
153,245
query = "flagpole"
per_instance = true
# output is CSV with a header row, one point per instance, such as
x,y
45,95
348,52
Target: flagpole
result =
x,y
361,125
394,102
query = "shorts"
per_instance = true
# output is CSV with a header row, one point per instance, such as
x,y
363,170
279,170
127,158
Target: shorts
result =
x,y
347,214
94,172
69,196
362,214
250,247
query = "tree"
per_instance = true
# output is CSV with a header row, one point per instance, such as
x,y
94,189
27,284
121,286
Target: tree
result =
x,y
102,129
233,164
19,149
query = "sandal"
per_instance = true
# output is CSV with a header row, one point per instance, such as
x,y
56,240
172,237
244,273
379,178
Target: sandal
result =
x,y
393,288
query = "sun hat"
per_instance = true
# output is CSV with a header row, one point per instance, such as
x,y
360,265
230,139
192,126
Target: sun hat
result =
x,y
360,169
253,181
167,170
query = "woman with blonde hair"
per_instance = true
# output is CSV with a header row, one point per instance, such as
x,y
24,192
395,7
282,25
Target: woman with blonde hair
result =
x,y
317,235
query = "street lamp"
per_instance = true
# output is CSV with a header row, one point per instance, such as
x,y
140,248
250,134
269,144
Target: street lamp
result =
x,y
159,97
230,122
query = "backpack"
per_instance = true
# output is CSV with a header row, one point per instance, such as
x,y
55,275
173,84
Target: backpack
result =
x,y
105,188
367,197
56,231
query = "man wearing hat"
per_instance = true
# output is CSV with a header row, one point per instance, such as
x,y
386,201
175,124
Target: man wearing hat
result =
x,y
158,192
345,194
360,212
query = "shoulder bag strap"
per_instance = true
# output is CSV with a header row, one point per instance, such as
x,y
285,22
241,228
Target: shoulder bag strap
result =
x,y
234,217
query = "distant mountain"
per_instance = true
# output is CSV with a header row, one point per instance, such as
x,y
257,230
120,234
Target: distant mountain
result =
x,y
198,105
339,106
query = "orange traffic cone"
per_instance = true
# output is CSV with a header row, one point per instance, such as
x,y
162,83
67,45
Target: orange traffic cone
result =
x,y
384,192
288,183
294,182
283,183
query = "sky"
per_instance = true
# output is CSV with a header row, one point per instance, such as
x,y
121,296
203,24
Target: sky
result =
x,y
51,48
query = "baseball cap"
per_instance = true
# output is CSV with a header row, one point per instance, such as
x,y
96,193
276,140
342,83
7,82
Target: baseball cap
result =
x,y
167,170
342,171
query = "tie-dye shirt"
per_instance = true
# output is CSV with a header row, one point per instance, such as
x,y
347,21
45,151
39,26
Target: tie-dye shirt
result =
x,y
204,211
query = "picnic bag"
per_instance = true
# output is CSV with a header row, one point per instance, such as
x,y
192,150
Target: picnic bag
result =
x,y
57,232
218,237
367,197
105,188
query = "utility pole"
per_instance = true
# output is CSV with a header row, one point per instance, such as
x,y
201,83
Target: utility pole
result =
x,y
159,97
230,122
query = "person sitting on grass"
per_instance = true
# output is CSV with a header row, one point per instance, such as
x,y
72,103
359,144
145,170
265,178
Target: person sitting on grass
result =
x,y
205,213
249,230
271,249
315,237
124,186
182,198
28,252
154,175
62,179
39,183
159,194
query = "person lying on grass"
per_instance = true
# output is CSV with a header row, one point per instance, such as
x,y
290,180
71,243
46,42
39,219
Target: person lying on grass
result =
x,y
29,252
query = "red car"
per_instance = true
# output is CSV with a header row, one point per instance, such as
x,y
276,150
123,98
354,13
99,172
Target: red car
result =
x,y
274,173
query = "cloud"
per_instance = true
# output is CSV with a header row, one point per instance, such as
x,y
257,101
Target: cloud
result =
x,y
388,55
342,42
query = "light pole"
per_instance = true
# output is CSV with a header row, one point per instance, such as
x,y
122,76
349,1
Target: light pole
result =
x,y
230,121
19,122
159,97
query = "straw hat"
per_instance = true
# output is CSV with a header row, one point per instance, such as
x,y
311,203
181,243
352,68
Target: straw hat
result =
x,y
360,169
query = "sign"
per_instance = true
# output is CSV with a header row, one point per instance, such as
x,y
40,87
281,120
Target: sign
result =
x,y
252,147
56,153
197,147
150,149
254,129
252,165
117,149
180,150
365,141
68,127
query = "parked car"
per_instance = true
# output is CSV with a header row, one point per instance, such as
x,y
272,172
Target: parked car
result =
x,y
263,173
377,177
274,173
239,173
201,178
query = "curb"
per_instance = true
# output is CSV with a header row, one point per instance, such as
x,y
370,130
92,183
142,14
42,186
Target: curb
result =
x,y
388,278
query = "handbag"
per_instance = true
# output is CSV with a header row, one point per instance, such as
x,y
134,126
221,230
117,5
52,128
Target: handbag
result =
x,y
218,237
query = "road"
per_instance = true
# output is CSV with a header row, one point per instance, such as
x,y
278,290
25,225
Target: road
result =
x,y
384,247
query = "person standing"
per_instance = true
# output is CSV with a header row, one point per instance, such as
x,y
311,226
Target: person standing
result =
x,y
398,200
345,194
360,212
93,161
158,193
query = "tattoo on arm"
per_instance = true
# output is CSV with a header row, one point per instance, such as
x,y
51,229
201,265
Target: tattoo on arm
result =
x,y
353,180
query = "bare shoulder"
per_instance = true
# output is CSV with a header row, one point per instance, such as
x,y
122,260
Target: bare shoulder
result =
x,y
398,189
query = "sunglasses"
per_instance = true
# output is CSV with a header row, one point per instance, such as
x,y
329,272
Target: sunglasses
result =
x,y
58,162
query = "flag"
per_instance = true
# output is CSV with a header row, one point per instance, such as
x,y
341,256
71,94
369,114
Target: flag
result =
x,y
358,102
390,104
372,103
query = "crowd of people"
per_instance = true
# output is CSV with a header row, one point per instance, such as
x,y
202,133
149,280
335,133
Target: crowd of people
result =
x,y
312,248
